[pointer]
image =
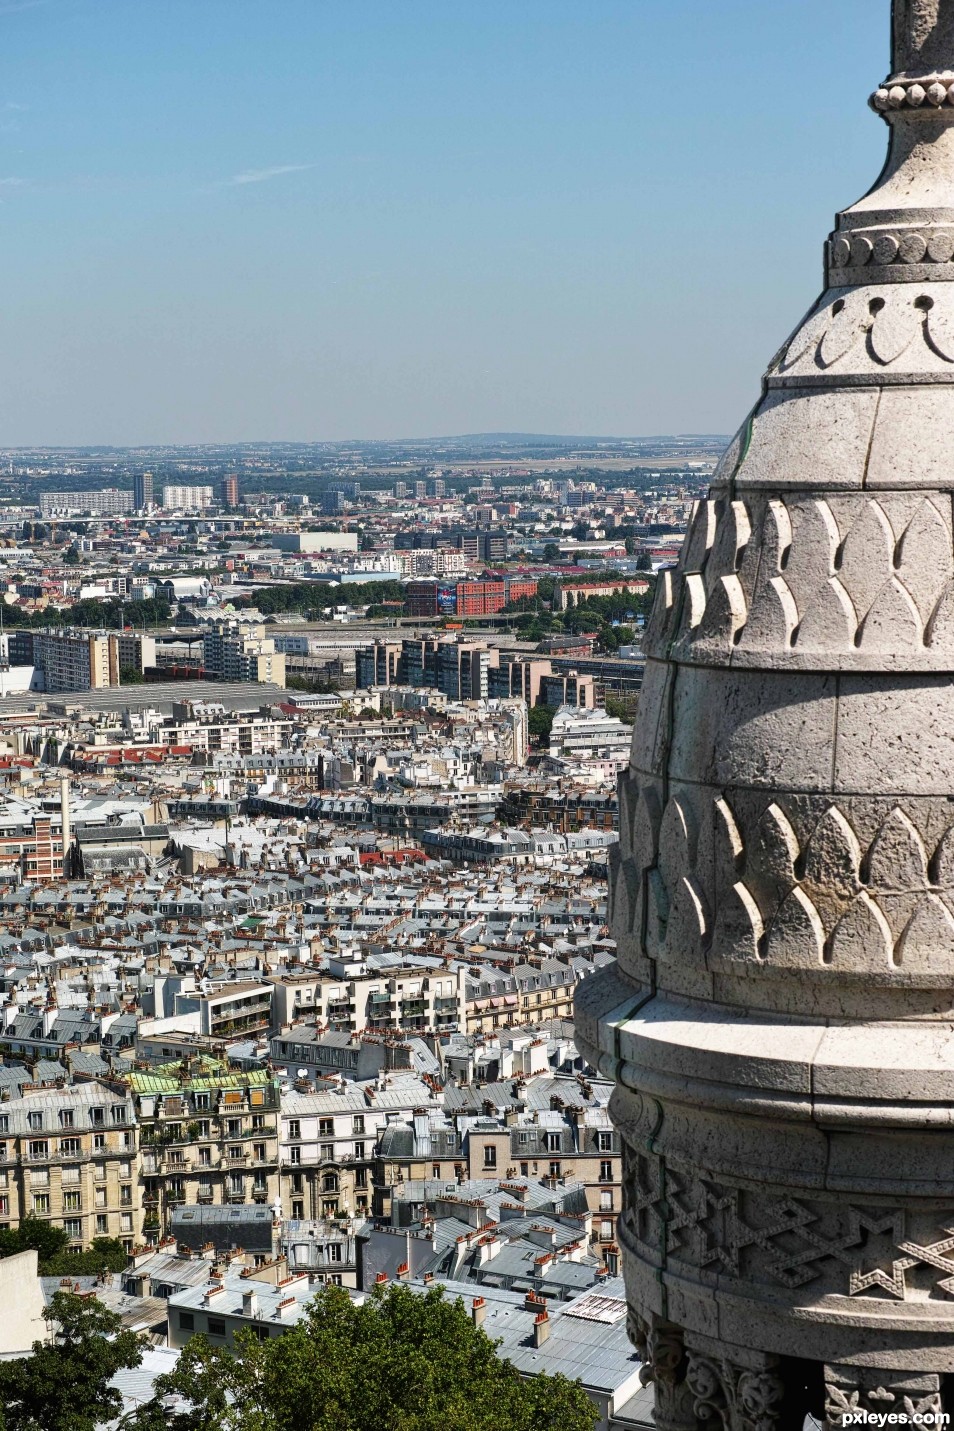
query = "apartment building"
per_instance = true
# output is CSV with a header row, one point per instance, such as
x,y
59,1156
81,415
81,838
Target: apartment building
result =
x,y
350,998
104,502
209,1135
69,1157
242,653
187,499
328,1143
72,660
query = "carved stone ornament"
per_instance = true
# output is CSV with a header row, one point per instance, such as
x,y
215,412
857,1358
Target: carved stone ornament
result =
x,y
780,1022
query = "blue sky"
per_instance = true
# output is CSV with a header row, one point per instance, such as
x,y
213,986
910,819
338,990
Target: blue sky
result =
x,y
303,219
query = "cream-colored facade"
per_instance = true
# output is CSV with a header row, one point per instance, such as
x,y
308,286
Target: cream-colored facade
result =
x,y
209,1135
69,1157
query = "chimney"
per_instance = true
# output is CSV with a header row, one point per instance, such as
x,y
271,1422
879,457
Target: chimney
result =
x,y
478,1311
250,1304
541,1328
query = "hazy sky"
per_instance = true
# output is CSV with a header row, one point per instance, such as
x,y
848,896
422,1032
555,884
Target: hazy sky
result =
x,y
263,219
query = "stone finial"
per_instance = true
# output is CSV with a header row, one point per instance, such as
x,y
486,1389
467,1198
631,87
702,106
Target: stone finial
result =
x,y
923,36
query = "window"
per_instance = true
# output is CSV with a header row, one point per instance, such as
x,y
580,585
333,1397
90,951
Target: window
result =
x,y
606,1172
73,1227
334,1252
216,1327
235,1150
102,1224
357,1123
294,1128
604,1142
258,1122
236,1184
125,1170
298,1211
490,1156
125,1222
606,1232
258,1152
361,1178
174,1131
186,1322
34,1121
97,1117
72,1202
125,1196
4,1122
70,1147
326,1127
39,1149
4,1206
118,1114
41,1204
328,1152
329,1183
201,1101
435,1170
233,1127
295,1156
205,1157
66,1117
554,1170
359,1150
99,1142
203,1128
553,1142
606,1202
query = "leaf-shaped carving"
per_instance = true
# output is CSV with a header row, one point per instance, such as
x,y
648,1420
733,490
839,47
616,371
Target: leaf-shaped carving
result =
x,y
776,534
753,915
695,600
663,611
894,328
940,328
844,330
832,856
625,916
657,913
627,794
807,338
940,629
676,841
893,622
811,558
770,860
702,530
732,535
925,563
772,619
867,558
928,937
725,612
861,939
896,859
729,838
796,936
829,623
941,868
688,921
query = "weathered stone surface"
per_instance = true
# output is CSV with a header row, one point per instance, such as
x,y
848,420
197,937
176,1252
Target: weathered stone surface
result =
x,y
780,1020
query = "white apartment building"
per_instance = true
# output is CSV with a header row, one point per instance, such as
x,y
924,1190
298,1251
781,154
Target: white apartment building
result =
x,y
76,660
242,653
187,499
582,734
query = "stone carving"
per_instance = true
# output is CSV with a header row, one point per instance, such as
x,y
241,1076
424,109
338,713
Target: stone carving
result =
x,y
786,1241
786,866
850,1391
876,578
737,1398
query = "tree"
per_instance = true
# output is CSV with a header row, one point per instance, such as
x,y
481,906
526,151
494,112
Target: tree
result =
x,y
551,552
539,721
33,1234
130,676
399,1360
71,556
64,1384
644,562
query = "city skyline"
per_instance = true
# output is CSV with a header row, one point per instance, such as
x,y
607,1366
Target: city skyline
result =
x,y
363,222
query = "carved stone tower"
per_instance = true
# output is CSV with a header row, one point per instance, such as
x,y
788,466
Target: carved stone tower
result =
x,y
781,1021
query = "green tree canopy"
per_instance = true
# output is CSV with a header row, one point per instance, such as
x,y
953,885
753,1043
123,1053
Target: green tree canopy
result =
x,y
539,721
64,1384
399,1362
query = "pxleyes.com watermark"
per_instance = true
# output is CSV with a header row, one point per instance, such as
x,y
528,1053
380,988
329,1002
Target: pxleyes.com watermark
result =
x,y
876,1420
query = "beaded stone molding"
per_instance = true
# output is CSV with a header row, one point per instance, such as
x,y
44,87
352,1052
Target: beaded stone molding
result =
x,y
930,92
